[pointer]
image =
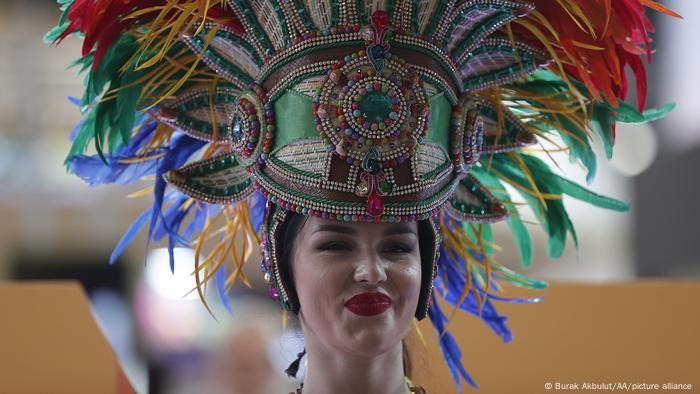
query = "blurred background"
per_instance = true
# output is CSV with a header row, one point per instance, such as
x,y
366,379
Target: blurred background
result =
x,y
53,226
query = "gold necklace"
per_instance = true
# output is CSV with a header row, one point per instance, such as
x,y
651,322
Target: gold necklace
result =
x,y
414,389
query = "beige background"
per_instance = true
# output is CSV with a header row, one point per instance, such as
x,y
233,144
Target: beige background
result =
x,y
51,344
634,332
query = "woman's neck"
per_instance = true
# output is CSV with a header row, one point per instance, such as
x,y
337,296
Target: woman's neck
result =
x,y
341,373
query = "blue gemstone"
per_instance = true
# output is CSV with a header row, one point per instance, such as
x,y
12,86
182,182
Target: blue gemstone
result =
x,y
377,51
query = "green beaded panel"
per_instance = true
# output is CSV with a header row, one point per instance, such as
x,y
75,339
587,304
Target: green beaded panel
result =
x,y
439,123
304,16
257,30
439,16
492,52
514,135
191,112
294,119
220,64
491,16
474,203
218,180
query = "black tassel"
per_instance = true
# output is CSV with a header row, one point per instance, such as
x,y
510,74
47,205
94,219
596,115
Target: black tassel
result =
x,y
294,366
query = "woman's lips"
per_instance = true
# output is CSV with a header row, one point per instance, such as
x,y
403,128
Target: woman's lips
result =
x,y
368,304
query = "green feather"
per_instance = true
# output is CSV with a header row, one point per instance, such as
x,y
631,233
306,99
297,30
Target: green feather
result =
x,y
522,238
580,193
552,215
521,234
602,122
63,23
522,280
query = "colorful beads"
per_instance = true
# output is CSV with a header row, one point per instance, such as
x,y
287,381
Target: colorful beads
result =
x,y
253,127
466,135
351,217
358,108
473,138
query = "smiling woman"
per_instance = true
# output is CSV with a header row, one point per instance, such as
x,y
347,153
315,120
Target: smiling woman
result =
x,y
358,290
366,144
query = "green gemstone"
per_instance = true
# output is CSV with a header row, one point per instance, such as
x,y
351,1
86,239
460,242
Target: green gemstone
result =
x,y
385,187
376,106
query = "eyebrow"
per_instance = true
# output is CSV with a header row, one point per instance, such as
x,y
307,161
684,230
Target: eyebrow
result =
x,y
395,230
334,228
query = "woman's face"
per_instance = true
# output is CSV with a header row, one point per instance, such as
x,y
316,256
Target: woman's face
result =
x,y
358,283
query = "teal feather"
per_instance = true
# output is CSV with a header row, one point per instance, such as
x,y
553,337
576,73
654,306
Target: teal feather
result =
x,y
546,84
628,114
522,238
602,122
521,234
552,215
580,193
52,35
522,281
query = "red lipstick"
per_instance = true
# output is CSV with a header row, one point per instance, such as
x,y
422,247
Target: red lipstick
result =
x,y
368,304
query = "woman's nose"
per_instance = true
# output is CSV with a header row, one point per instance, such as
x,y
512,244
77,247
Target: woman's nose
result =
x,y
370,269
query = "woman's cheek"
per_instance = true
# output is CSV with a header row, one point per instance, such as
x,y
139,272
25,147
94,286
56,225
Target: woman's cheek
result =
x,y
410,275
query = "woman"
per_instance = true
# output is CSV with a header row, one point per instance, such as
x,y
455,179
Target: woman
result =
x,y
358,287
357,118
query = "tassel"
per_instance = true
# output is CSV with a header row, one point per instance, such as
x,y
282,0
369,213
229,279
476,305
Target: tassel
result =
x,y
294,366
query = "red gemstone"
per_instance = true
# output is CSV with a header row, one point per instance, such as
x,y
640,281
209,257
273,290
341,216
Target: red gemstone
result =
x,y
375,205
380,19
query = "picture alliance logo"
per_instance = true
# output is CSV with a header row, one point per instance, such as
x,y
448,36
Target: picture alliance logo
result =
x,y
611,386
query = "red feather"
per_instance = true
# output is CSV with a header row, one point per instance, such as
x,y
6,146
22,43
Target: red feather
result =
x,y
622,29
104,21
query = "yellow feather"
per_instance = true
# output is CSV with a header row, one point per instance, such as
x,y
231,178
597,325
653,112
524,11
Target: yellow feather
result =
x,y
141,193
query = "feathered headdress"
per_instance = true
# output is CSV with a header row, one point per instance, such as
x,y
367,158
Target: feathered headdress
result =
x,y
367,110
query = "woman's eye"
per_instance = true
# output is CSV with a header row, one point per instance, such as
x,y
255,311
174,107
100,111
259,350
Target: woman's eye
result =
x,y
333,247
397,248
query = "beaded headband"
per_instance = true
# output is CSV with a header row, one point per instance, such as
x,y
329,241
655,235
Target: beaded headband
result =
x,y
355,110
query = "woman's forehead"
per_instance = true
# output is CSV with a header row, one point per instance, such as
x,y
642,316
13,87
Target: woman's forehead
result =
x,y
318,225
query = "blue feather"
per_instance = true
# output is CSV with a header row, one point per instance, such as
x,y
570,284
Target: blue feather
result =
x,y
450,348
454,271
171,218
93,170
171,253
182,147
129,235
257,210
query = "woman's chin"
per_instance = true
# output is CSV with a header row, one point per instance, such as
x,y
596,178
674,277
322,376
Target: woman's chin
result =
x,y
371,343
372,336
